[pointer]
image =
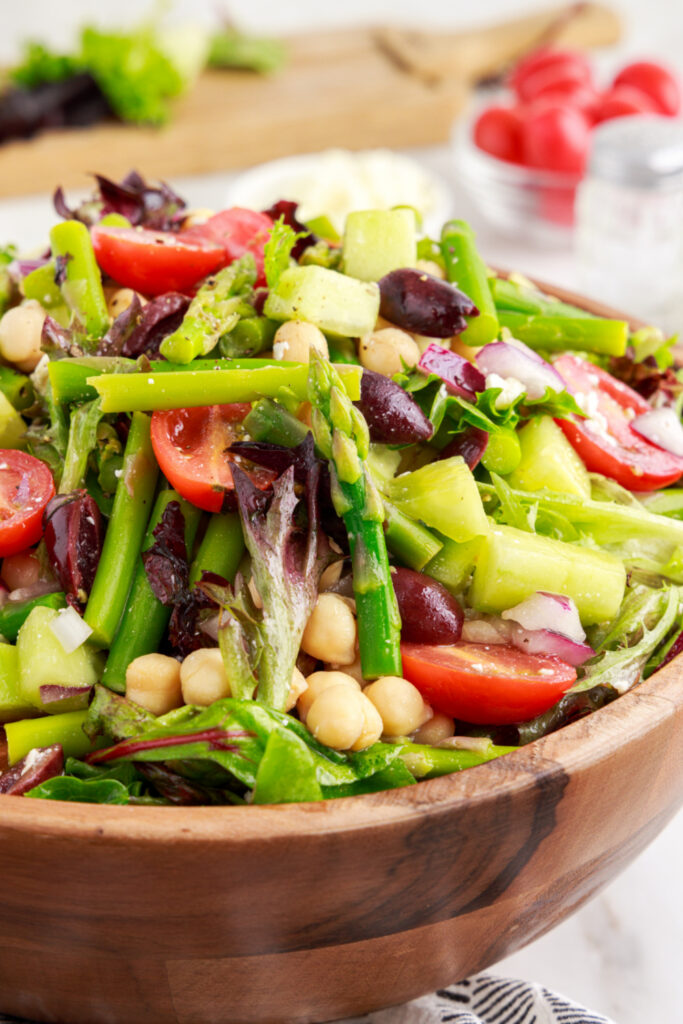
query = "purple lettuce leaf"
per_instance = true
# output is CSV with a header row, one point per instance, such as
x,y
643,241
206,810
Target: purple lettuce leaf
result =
x,y
286,209
156,207
159,318
166,562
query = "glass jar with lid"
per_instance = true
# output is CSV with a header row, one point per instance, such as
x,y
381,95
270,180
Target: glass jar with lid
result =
x,y
629,218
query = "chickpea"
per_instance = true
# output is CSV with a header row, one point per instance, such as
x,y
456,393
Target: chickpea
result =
x,y
294,340
119,300
198,216
431,267
386,351
317,683
331,575
438,728
203,677
20,570
337,718
372,725
354,669
20,335
297,688
153,682
399,703
330,633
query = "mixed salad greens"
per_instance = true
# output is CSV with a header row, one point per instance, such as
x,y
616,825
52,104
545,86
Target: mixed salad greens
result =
x,y
287,517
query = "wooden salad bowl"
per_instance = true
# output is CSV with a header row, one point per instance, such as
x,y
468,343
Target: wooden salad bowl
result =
x,y
311,912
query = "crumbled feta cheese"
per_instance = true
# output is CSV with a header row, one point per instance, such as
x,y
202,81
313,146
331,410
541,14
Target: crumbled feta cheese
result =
x,y
511,389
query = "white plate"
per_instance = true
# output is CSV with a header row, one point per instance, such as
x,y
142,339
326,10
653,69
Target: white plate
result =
x,y
336,181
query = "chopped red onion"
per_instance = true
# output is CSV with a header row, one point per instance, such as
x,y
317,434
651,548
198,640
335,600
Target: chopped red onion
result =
x,y
553,612
661,427
508,360
70,629
461,377
547,641
40,764
52,695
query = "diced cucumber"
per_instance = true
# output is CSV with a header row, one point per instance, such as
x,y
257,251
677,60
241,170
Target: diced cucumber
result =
x,y
66,729
453,565
44,662
333,302
12,426
12,704
548,461
377,242
444,496
512,565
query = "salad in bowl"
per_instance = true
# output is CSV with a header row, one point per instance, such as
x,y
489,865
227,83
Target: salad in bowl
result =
x,y
287,517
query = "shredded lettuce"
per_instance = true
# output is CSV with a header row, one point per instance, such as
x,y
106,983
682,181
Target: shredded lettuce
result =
x,y
277,251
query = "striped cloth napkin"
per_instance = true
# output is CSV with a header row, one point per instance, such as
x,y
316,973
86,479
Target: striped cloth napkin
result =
x,y
487,999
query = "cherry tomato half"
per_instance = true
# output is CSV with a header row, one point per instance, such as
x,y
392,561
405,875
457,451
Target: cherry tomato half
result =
x,y
191,448
655,81
555,137
487,684
605,441
26,486
237,231
497,131
154,262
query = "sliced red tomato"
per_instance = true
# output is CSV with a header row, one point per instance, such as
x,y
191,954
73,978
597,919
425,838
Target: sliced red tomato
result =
x,y
154,262
237,231
487,684
605,441
191,449
26,486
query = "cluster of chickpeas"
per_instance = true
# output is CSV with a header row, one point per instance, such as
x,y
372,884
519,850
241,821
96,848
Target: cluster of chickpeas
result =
x,y
386,349
335,704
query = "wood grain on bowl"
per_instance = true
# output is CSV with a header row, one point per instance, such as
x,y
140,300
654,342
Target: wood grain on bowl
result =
x,y
311,912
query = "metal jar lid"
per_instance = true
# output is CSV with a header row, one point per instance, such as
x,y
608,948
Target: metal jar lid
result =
x,y
643,151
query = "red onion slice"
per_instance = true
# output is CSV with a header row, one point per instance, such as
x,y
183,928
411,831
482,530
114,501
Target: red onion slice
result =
x,y
39,764
470,443
486,630
661,427
38,589
461,377
547,641
555,613
54,697
508,360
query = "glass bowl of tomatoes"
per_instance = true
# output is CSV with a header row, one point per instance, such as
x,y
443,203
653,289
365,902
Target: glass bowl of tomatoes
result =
x,y
522,153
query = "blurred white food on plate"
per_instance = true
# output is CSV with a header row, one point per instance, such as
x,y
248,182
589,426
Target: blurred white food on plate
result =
x,y
337,181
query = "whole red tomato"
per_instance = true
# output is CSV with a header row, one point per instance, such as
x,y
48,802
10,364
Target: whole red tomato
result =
x,y
623,101
555,137
653,80
498,131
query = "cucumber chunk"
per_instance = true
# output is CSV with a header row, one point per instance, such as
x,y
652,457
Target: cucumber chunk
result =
x,y
12,426
512,565
377,242
335,303
12,703
548,461
443,495
66,729
453,565
43,661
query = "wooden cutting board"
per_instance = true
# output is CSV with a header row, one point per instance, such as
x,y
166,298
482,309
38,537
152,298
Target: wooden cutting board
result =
x,y
354,88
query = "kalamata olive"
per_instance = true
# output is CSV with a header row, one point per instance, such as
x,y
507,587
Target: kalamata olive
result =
x,y
72,528
461,377
418,302
41,764
393,416
470,443
429,614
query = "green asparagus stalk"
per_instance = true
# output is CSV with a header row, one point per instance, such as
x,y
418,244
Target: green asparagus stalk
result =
x,y
40,284
512,296
162,390
269,421
249,336
65,729
82,287
82,440
132,505
221,548
558,333
145,618
466,269
16,387
341,434
215,310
